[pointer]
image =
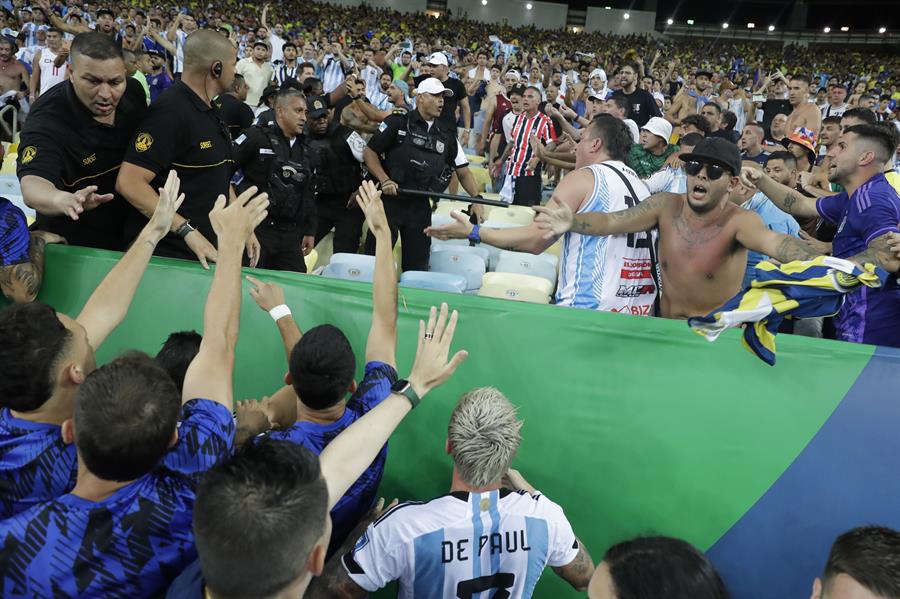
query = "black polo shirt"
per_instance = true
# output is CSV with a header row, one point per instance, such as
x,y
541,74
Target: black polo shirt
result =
x,y
641,105
62,143
182,132
448,112
236,114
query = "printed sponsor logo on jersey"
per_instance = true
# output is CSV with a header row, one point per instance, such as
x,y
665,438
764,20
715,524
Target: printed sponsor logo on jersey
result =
x,y
143,142
205,145
28,154
362,542
89,160
635,290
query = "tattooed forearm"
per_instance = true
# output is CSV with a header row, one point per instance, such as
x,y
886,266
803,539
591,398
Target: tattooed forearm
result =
x,y
21,282
578,573
879,253
789,202
792,248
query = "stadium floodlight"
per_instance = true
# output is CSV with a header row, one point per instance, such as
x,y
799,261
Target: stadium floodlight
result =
x,y
608,7
771,27
724,25
484,2
670,22
845,29
751,25
690,21
529,6
882,30
626,16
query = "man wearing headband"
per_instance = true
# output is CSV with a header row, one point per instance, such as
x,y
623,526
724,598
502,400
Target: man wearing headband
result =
x,y
703,238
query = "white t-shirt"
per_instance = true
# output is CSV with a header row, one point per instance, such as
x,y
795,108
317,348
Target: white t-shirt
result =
x,y
611,273
441,548
277,44
508,121
635,132
487,73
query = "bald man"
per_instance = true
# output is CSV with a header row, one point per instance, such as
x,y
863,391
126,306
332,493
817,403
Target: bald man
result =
x,y
182,131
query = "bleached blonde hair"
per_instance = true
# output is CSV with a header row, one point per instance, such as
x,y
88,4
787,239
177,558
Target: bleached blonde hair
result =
x,y
484,436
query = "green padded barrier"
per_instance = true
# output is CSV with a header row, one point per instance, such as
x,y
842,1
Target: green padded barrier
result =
x,y
633,425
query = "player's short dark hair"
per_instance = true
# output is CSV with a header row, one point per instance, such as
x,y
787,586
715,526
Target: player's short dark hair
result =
x,y
698,122
691,139
889,128
789,159
801,77
288,45
615,134
34,340
237,82
620,101
96,45
177,353
882,141
54,30
257,518
865,115
632,65
517,90
662,567
833,120
866,97
729,119
322,366
870,555
756,126
714,105
125,417
536,89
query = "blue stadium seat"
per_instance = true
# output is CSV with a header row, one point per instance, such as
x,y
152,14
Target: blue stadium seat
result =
x,y
351,267
528,264
466,263
434,281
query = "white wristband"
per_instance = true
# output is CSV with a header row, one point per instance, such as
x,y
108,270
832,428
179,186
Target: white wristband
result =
x,y
279,312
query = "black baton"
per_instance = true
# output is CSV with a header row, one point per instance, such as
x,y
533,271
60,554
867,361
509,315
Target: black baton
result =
x,y
449,196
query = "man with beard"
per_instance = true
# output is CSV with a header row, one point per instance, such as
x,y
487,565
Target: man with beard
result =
x,y
73,143
703,238
642,106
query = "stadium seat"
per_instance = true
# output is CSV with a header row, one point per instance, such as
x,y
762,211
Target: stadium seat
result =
x,y
445,206
517,287
459,261
492,196
434,281
482,177
473,159
463,247
351,267
514,215
528,264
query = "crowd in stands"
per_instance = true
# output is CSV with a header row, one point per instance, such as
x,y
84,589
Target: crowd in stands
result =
x,y
667,169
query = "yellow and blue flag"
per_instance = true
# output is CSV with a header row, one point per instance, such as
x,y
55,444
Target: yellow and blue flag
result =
x,y
800,289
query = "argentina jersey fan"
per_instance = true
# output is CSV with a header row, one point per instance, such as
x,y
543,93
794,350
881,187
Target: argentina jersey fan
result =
x,y
463,544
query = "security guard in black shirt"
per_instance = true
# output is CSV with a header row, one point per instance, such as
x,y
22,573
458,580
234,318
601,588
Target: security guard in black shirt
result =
x,y
419,153
73,143
183,131
336,152
274,159
233,108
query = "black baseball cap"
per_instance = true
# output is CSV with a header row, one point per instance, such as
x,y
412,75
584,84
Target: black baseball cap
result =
x,y
106,11
716,150
317,107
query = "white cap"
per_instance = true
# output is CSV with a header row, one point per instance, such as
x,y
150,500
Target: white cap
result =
x,y
433,85
600,95
598,73
659,127
438,58
514,73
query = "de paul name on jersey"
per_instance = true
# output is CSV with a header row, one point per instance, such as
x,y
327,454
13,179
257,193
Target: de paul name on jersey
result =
x,y
492,544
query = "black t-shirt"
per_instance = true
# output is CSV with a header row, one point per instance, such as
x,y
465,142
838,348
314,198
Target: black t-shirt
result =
x,y
62,143
236,114
182,132
772,107
642,106
448,114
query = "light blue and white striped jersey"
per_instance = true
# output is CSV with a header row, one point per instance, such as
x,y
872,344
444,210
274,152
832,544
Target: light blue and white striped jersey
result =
x,y
178,42
610,273
370,74
463,544
669,180
331,72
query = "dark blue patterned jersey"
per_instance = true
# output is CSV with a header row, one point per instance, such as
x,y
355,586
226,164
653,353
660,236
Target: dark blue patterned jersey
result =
x,y
35,464
360,497
132,543
14,237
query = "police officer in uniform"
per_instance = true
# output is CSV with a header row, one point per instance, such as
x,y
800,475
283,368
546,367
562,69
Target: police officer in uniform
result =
x,y
336,152
419,153
274,159
73,142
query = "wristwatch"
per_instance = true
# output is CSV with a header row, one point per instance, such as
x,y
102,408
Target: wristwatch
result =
x,y
184,230
475,236
402,387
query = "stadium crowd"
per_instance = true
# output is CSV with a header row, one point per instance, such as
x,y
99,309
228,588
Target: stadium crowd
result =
x,y
240,135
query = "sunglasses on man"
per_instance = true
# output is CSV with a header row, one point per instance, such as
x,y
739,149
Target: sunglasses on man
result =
x,y
713,171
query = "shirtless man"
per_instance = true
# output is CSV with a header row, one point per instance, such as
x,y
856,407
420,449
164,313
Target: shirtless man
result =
x,y
703,238
12,72
805,113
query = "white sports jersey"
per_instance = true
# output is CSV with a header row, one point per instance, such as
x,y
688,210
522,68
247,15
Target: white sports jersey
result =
x,y
51,74
610,273
462,544
670,180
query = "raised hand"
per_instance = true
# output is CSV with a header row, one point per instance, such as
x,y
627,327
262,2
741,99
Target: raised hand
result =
x,y
554,219
457,230
239,219
750,176
73,204
431,368
266,295
369,200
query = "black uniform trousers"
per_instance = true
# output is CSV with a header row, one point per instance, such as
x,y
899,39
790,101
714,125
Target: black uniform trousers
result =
x,y
332,212
280,243
527,190
409,217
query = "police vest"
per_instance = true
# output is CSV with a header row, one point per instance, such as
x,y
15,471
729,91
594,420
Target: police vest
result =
x,y
422,158
336,170
288,178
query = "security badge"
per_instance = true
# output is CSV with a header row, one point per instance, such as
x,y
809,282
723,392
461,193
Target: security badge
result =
x,y
439,146
317,105
28,154
143,142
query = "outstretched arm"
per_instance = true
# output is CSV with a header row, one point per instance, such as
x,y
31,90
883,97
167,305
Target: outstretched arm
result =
x,y
109,303
557,218
269,296
382,343
787,199
754,235
881,253
210,374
